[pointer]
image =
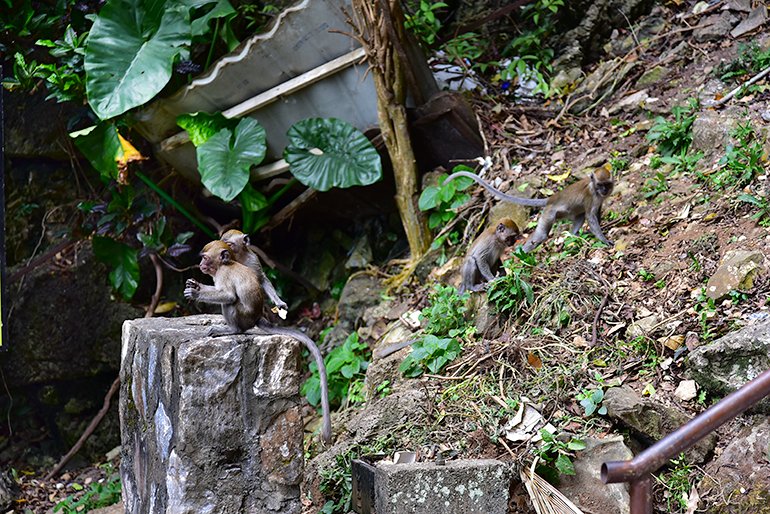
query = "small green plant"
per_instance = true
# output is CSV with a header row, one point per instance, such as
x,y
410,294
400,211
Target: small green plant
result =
x,y
655,185
751,58
673,137
706,309
743,161
442,199
466,48
423,22
656,162
430,354
383,389
445,313
556,456
591,401
677,483
102,493
683,162
617,162
510,292
646,275
345,366
762,205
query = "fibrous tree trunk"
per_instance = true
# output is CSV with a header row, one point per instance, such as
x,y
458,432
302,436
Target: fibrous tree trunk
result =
x,y
379,27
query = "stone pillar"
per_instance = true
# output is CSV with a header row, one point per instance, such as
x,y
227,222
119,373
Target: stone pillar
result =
x,y
208,425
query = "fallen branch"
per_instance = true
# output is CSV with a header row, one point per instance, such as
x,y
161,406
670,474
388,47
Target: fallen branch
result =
x,y
87,433
756,78
158,286
596,317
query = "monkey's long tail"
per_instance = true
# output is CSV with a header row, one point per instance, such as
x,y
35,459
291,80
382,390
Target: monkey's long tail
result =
x,y
326,429
528,202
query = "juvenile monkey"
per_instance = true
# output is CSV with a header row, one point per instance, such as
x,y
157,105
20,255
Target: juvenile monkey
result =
x,y
577,202
238,290
240,245
484,254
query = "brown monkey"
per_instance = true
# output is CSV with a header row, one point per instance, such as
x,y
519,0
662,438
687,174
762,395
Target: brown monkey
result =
x,y
240,245
577,202
484,254
238,290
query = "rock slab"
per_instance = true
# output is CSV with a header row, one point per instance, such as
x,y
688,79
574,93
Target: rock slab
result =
x,y
208,425
459,487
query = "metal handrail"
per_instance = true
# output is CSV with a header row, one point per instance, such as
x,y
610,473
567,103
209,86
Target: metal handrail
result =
x,y
638,471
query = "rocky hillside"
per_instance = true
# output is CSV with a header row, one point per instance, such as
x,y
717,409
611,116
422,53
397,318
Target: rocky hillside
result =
x,y
606,348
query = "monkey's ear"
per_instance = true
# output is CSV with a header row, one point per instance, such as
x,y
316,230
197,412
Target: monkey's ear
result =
x,y
224,256
246,239
501,227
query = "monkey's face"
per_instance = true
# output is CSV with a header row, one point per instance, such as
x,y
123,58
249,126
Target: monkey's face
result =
x,y
237,242
507,235
604,188
208,264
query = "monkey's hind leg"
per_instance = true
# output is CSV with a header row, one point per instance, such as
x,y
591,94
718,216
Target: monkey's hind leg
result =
x,y
220,330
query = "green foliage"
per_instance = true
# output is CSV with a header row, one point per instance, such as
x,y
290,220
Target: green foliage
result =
x,y
674,136
751,59
101,146
430,354
66,81
531,58
345,367
421,20
445,314
556,456
591,401
618,162
97,494
678,482
655,185
762,205
683,162
442,200
124,276
127,64
257,16
510,292
335,481
200,126
466,48
224,159
646,275
327,152
743,161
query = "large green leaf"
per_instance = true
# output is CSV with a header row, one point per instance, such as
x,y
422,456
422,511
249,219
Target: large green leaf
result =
x,y
225,158
130,51
200,126
326,152
124,276
101,146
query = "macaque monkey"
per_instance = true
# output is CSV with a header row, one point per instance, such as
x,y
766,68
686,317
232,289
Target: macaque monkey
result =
x,y
240,245
239,291
577,202
484,254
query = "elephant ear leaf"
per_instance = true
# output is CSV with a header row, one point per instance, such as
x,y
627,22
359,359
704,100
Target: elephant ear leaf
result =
x,y
130,52
225,159
326,152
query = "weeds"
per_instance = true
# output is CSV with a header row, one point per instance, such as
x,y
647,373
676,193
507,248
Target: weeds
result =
x,y
557,456
103,493
762,205
345,367
511,292
676,484
442,200
751,59
674,136
423,22
430,354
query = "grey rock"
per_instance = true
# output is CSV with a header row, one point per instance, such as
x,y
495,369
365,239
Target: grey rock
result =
x,y
651,421
711,130
586,489
715,27
652,76
209,425
753,21
737,271
737,5
459,487
360,292
729,362
9,491
740,476
112,509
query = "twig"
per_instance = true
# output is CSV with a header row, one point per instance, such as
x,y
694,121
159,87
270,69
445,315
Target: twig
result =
x,y
158,286
87,433
596,317
174,268
738,89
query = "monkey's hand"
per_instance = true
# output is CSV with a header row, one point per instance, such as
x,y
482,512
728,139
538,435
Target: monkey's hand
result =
x,y
192,289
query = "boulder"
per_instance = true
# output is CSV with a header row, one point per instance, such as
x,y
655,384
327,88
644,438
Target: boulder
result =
x,y
651,421
586,489
209,424
738,480
737,271
729,362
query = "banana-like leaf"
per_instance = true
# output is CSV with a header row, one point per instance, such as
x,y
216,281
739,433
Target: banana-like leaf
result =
x,y
225,158
130,52
327,152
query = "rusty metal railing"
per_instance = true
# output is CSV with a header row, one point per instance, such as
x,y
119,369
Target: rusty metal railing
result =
x,y
638,471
